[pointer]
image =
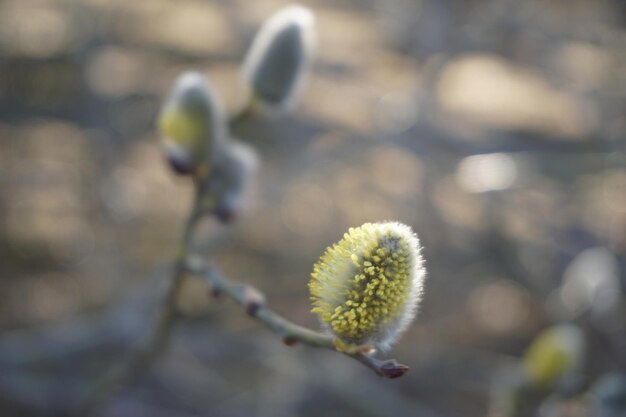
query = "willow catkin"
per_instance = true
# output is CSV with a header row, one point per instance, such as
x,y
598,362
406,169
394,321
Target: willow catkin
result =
x,y
366,287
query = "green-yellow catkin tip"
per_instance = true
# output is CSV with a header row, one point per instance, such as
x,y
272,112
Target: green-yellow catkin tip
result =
x,y
279,57
366,287
191,124
556,352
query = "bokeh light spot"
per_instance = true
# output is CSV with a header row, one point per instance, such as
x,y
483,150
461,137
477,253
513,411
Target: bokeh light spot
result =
x,y
487,172
306,209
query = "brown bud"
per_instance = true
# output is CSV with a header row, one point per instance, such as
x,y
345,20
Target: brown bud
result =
x,y
290,341
215,292
392,369
253,300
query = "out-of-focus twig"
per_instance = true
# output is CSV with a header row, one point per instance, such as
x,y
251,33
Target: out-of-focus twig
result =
x,y
36,394
253,302
243,115
158,338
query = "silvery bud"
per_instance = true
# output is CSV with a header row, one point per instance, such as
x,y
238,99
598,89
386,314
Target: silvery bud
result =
x,y
226,188
280,56
191,124
366,287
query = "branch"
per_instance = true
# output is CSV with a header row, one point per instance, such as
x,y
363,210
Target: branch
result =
x,y
143,356
243,115
253,302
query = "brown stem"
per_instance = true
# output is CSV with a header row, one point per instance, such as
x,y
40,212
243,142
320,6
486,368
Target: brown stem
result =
x,y
253,302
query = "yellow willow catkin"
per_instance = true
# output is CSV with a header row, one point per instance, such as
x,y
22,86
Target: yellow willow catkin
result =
x,y
366,287
555,353
191,124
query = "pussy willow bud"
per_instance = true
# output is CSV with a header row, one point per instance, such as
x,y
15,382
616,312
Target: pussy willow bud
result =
x,y
191,124
610,395
367,286
555,354
225,189
279,56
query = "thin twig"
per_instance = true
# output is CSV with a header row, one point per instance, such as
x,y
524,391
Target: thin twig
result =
x,y
253,302
141,358
243,115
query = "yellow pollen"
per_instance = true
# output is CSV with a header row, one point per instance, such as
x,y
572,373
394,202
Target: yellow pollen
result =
x,y
373,287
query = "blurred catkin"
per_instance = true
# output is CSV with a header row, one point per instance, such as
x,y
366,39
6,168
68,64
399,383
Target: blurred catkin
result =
x,y
555,353
225,189
280,56
192,125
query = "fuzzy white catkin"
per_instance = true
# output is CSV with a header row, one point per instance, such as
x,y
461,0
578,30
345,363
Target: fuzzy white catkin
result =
x,y
280,55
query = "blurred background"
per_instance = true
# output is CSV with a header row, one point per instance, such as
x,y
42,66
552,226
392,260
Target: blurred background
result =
x,y
495,128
